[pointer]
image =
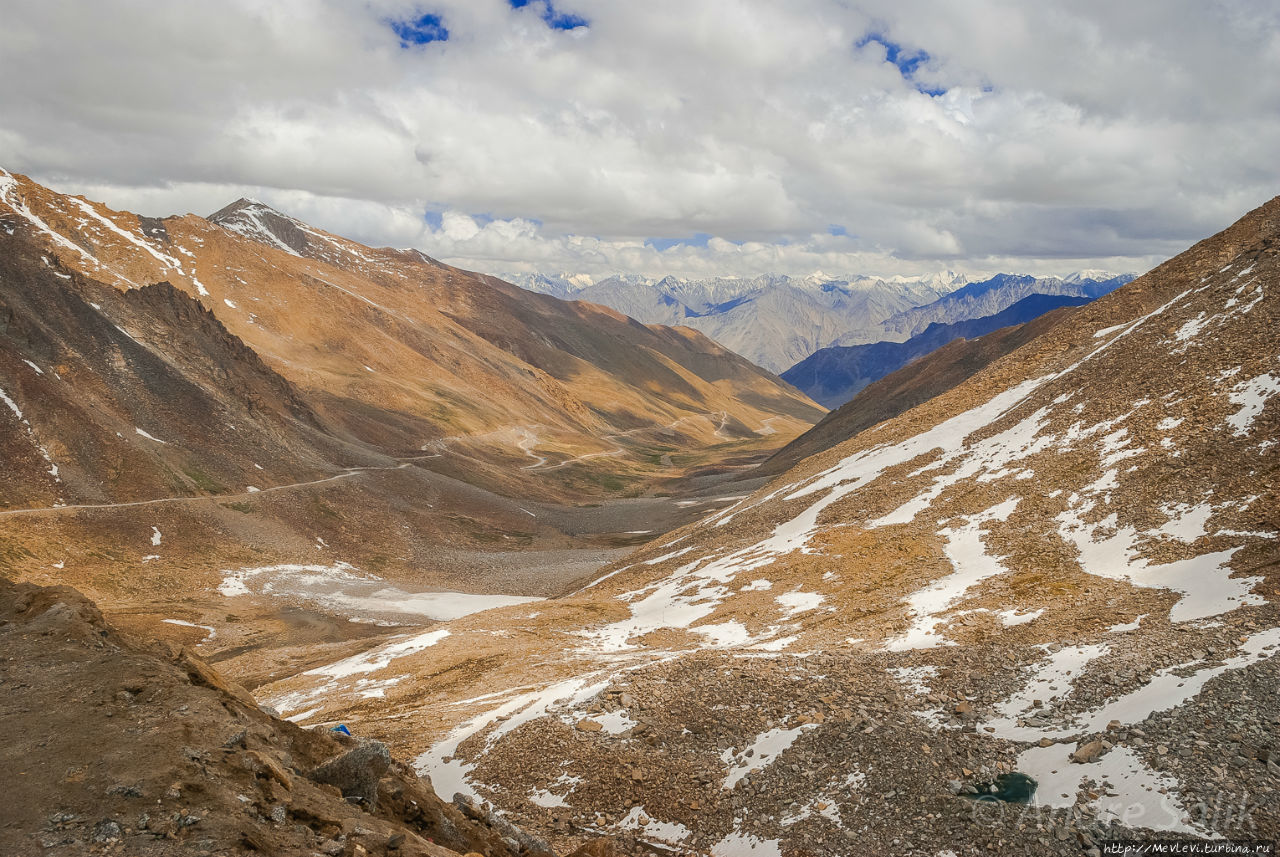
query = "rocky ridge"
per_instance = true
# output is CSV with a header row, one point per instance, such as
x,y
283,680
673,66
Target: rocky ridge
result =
x,y
778,321
914,384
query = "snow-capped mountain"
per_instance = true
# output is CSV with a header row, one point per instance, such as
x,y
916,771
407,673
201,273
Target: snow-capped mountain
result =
x,y
773,320
988,297
776,321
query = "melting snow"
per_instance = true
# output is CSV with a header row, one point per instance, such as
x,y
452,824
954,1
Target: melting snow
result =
x,y
763,750
149,437
651,828
972,565
615,722
1191,328
914,677
1127,626
1050,680
448,773
794,603
1186,523
739,844
1204,581
365,662
209,636
1251,396
345,590
1107,331
544,798
1135,796
156,536
724,634
1009,618
13,406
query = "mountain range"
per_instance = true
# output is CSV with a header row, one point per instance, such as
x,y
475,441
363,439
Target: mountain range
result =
x,y
832,375
777,321
274,393
774,321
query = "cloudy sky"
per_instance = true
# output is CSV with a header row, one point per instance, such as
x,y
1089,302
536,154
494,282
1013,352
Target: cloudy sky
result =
x,y
690,137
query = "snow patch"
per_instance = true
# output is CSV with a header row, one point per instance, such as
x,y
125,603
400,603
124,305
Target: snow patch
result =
x,y
343,589
1251,396
211,632
664,831
762,751
972,565
149,437
738,844
794,603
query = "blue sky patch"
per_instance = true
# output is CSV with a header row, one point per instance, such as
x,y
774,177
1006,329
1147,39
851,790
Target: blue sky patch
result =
x,y
837,230
554,18
420,30
908,62
699,239
434,219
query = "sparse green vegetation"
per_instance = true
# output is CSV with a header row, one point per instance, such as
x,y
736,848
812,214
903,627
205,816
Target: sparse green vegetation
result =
x,y
203,480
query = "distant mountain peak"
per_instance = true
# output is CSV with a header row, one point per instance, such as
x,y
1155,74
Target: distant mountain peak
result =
x,y
1095,275
259,221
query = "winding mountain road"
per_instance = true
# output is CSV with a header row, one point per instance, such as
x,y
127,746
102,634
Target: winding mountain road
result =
x,y
49,510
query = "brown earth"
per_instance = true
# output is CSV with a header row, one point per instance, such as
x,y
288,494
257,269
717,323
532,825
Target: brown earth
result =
x,y
115,746
260,399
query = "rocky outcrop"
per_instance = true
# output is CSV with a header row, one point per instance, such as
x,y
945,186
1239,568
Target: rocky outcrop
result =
x,y
356,772
119,746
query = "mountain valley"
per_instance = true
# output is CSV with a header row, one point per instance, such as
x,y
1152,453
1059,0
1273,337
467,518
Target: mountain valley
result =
x,y
606,584
272,396
1027,574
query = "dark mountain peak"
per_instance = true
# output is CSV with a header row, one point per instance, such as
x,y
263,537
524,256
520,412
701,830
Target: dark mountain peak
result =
x,y
261,222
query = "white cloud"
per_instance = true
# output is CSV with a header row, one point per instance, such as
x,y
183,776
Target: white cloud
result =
x,y
1089,134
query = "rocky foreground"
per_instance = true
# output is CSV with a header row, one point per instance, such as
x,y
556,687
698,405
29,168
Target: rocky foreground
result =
x,y
112,746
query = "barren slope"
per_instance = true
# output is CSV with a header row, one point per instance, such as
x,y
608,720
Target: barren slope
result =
x,y
1071,554
410,357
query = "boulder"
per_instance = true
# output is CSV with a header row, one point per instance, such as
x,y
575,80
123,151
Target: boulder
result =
x,y
356,772
1087,753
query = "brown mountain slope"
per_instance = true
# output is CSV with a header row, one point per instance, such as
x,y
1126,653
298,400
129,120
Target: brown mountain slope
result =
x,y
1064,567
407,356
914,384
120,421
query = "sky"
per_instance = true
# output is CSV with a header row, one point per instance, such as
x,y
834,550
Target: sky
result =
x,y
691,138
